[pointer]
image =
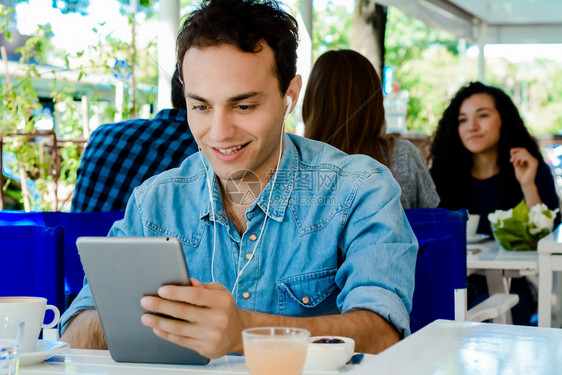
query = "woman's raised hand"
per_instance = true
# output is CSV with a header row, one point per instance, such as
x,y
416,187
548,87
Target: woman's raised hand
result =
x,y
525,166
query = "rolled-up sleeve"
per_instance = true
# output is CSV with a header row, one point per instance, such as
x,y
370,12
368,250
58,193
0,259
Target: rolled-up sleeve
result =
x,y
83,300
380,248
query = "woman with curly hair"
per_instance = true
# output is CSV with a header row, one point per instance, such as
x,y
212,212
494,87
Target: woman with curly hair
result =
x,y
484,159
343,106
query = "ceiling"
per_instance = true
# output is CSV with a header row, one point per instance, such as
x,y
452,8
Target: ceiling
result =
x,y
490,21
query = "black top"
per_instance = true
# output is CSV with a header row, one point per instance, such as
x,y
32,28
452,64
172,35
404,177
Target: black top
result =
x,y
488,195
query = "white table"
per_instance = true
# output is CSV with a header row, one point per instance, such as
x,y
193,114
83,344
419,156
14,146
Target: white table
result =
x,y
550,261
81,361
442,347
511,263
446,347
500,266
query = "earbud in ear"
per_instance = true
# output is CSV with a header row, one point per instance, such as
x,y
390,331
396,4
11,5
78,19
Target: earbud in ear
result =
x,y
289,104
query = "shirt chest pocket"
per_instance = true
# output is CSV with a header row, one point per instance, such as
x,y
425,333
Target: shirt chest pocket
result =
x,y
309,294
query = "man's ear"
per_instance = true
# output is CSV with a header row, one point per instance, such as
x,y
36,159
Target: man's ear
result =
x,y
294,90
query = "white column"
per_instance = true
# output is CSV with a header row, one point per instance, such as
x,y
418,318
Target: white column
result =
x,y
167,32
481,43
119,100
304,53
306,14
461,48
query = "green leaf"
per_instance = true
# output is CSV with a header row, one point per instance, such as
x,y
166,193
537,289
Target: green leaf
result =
x,y
521,212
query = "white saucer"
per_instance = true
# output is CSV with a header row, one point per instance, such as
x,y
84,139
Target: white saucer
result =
x,y
43,350
478,237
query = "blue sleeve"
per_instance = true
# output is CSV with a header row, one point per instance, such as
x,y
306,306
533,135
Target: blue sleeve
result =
x,y
380,249
83,301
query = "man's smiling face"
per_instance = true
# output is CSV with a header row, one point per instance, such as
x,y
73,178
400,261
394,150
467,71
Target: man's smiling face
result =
x,y
235,108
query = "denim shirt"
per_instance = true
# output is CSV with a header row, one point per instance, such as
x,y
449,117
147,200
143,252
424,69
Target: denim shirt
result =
x,y
336,237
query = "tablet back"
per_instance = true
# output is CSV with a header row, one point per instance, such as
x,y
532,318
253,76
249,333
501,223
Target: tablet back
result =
x,y
120,271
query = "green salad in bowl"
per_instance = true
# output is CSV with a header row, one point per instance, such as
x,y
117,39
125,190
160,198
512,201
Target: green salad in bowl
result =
x,y
521,227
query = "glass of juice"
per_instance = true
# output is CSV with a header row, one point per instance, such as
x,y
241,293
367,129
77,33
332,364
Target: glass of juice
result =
x,y
275,350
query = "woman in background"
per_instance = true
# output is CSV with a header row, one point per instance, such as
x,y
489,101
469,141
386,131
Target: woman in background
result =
x,y
484,159
343,106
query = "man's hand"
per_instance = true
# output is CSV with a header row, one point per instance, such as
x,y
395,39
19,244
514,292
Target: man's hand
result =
x,y
207,319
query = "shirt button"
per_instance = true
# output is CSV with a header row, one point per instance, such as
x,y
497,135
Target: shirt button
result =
x,y
246,295
305,300
253,237
249,256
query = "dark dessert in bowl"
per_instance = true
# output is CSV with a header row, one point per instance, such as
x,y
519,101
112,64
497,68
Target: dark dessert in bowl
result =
x,y
328,352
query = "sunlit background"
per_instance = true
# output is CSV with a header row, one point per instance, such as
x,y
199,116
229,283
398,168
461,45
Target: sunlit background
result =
x,y
92,62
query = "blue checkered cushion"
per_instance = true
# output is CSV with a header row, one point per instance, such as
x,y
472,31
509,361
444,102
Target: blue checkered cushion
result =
x,y
120,156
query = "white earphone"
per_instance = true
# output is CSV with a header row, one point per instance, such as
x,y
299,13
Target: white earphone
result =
x,y
289,104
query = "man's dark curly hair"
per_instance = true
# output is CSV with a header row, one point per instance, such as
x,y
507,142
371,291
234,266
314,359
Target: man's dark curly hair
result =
x,y
452,162
244,24
178,98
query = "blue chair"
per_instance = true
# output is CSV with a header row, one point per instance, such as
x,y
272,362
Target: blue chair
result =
x,y
32,262
77,224
74,224
441,274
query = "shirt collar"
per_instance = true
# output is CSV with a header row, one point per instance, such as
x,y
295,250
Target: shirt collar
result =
x,y
217,208
281,181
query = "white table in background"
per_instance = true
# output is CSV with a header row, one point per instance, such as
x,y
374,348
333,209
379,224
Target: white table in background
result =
x,y
550,261
447,347
500,266
510,263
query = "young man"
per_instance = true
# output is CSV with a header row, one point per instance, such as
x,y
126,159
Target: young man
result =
x,y
324,246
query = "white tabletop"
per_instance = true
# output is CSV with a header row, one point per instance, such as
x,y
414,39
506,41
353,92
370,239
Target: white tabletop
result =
x,y
80,361
487,255
447,347
443,347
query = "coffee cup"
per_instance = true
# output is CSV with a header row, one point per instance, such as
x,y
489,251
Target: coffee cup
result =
x,y
32,311
472,225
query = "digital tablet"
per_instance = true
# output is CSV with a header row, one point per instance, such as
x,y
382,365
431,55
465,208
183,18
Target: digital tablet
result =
x,y
120,271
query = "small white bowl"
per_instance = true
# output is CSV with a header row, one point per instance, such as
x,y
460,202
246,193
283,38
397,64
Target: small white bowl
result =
x,y
328,356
